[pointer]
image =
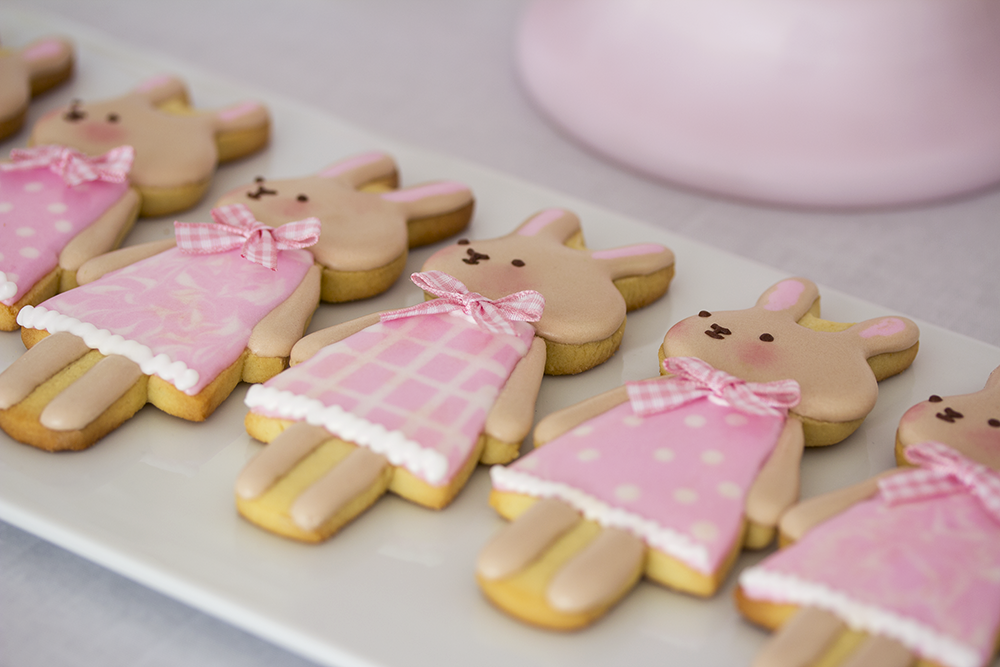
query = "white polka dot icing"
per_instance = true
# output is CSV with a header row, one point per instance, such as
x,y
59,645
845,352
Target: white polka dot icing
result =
x,y
694,421
24,232
587,455
627,492
6,207
64,226
686,496
583,431
57,207
706,531
632,421
712,457
735,419
30,253
664,455
729,490
34,186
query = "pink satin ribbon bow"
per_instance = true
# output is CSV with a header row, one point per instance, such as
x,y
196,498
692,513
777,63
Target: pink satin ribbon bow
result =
x,y
942,471
74,167
489,315
236,227
693,379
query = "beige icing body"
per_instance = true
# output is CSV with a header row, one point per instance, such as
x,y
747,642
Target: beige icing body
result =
x,y
509,420
807,635
765,343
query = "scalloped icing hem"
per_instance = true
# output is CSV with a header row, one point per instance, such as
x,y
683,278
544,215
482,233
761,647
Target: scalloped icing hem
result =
x,y
427,464
175,372
760,583
8,290
667,540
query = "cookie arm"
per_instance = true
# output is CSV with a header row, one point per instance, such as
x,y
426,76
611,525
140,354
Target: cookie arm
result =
x,y
808,514
280,329
514,411
568,418
104,234
776,487
97,267
312,343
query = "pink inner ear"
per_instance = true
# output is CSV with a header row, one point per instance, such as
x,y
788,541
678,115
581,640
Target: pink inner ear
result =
x,y
785,295
629,251
541,221
239,110
424,191
890,326
46,49
351,164
152,83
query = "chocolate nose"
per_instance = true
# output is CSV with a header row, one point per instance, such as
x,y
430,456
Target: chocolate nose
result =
x,y
717,332
474,257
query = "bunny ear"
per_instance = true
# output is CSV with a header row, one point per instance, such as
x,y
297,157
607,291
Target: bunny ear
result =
x,y
431,199
793,296
241,129
635,260
359,170
885,334
161,89
46,58
554,223
993,381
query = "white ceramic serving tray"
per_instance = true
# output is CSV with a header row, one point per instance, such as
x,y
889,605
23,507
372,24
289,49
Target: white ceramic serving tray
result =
x,y
154,500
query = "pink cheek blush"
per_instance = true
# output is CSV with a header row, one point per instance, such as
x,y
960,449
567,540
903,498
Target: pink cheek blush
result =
x,y
104,133
757,355
917,412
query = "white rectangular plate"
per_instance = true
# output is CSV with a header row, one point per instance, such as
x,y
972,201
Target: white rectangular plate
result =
x,y
154,500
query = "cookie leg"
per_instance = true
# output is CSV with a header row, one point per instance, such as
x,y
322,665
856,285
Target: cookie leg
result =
x,y
802,640
86,399
307,485
879,651
550,567
38,364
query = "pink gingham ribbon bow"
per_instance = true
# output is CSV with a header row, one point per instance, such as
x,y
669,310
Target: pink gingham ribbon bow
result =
x,y
236,227
495,316
74,167
942,471
693,379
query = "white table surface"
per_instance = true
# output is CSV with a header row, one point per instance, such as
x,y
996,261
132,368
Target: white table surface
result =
x,y
440,75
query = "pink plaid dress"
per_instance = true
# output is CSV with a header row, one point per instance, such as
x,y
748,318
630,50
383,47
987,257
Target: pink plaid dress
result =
x,y
924,571
416,389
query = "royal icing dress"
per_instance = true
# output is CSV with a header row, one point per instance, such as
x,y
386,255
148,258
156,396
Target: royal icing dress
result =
x,y
44,204
416,387
674,473
919,562
182,315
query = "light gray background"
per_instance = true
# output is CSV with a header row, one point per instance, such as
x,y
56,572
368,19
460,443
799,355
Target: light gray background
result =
x,y
441,75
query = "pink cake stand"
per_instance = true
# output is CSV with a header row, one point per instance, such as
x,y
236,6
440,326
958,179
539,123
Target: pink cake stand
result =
x,y
826,103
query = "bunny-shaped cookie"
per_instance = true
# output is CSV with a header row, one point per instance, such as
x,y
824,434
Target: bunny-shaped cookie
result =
x,y
411,400
902,567
176,148
58,209
27,72
178,327
365,236
670,477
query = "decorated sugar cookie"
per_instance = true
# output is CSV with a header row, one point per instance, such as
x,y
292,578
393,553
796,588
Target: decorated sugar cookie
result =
x,y
58,209
902,568
27,72
176,324
177,148
410,400
671,477
365,235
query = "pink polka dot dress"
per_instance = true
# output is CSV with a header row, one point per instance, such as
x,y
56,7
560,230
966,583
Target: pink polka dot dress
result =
x,y
677,479
39,216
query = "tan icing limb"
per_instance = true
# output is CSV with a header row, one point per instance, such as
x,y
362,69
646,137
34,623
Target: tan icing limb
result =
x,y
569,418
38,364
274,461
599,574
104,234
93,393
513,412
808,514
802,640
335,490
776,487
280,329
526,538
317,340
117,259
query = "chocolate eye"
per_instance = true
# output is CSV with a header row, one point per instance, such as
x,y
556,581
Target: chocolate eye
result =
x,y
302,198
935,398
517,262
463,242
112,118
704,313
766,337
995,423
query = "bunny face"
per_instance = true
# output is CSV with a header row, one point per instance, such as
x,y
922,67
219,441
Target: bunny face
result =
x,y
766,343
582,303
969,423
